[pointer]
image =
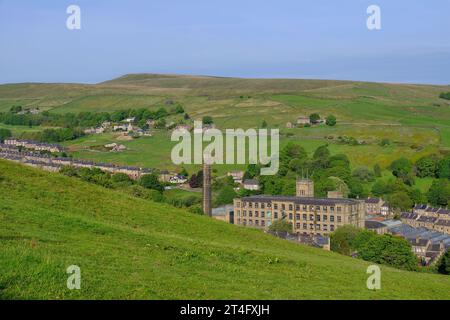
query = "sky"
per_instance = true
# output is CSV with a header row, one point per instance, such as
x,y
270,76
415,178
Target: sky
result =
x,y
320,39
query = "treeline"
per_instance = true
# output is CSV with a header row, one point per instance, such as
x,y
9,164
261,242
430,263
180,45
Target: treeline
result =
x,y
333,173
85,119
445,95
147,187
54,135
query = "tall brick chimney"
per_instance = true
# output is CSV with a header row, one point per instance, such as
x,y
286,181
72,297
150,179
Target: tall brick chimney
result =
x,y
207,189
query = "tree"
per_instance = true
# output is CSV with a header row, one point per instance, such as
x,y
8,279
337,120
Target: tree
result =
x,y
445,95
161,113
196,180
264,124
341,240
179,109
4,134
390,250
377,170
151,181
443,265
401,167
426,167
401,201
443,170
121,179
252,171
357,189
225,196
207,120
341,186
281,225
383,249
439,193
314,118
363,174
330,120
184,172
379,188
321,157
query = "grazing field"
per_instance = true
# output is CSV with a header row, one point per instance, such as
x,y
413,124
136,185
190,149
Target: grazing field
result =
x,y
132,248
412,117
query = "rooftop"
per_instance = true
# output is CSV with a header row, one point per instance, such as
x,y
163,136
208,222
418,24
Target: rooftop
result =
x,y
300,200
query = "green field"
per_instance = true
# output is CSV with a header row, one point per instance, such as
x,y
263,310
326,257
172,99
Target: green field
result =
x,y
129,248
411,116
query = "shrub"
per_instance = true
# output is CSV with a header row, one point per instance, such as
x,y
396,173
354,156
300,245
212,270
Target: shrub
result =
x,y
330,120
207,120
443,265
150,181
281,225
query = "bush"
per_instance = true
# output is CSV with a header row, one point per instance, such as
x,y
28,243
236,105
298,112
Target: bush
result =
x,y
69,171
439,193
363,174
121,180
314,117
281,225
342,239
225,196
443,168
369,246
385,142
207,120
426,167
330,120
150,181
389,250
445,95
4,134
443,265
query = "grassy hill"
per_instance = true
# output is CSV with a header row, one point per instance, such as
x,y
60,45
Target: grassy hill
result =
x,y
412,116
132,248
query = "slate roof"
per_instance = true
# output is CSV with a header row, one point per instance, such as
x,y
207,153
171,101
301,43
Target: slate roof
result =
x,y
418,242
372,200
300,200
370,224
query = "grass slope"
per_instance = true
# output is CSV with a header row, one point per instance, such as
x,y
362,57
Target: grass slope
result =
x,y
131,248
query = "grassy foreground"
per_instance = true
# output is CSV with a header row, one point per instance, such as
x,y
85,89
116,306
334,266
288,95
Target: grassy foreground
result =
x,y
131,248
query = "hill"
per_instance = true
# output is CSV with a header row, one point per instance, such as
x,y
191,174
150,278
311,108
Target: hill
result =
x,y
412,117
132,248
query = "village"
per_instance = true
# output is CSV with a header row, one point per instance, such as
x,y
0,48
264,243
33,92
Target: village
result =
x,y
426,228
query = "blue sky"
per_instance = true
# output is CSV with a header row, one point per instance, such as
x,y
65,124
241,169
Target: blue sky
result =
x,y
324,39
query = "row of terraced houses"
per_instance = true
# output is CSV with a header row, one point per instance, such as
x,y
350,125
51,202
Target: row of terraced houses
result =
x,y
425,216
34,145
51,163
